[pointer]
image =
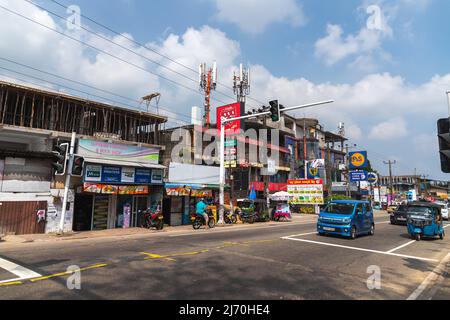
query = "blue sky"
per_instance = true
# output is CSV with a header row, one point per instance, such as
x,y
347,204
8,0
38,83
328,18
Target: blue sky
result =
x,y
389,82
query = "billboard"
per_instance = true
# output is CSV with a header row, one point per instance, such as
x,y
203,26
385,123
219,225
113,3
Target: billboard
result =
x,y
116,151
229,111
358,160
306,191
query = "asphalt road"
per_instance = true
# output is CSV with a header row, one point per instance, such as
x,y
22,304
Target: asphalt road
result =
x,y
280,261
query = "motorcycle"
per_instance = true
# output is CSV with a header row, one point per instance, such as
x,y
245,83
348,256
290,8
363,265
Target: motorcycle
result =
x,y
198,221
151,219
230,217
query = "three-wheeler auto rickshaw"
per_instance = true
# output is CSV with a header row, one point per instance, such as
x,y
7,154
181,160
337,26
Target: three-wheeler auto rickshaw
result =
x,y
424,219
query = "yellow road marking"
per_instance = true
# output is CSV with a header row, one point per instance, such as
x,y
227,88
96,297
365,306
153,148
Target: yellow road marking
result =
x,y
169,256
12,283
61,274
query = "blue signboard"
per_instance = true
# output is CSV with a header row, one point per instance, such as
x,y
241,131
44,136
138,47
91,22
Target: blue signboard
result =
x,y
111,174
356,176
143,176
357,160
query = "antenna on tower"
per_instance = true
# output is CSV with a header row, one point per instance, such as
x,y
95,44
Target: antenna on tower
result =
x,y
341,128
241,83
207,82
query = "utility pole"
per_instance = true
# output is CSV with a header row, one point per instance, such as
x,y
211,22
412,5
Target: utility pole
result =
x,y
67,184
391,187
347,169
222,146
208,83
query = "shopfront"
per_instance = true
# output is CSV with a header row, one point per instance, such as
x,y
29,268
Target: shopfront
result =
x,y
186,185
112,192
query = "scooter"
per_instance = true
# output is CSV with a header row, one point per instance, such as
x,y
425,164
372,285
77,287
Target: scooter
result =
x,y
230,217
198,221
152,219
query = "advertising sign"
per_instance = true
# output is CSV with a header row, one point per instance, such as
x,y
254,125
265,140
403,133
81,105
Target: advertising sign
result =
x,y
127,175
372,177
230,111
114,151
356,176
358,160
126,215
111,174
157,176
93,173
143,176
306,191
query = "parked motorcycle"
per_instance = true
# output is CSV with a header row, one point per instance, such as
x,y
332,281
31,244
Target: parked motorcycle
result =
x,y
151,219
230,217
198,221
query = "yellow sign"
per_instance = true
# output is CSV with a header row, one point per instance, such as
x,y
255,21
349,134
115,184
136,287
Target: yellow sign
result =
x,y
313,171
358,159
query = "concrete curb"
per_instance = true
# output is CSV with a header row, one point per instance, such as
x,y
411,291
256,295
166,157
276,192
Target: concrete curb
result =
x,y
144,232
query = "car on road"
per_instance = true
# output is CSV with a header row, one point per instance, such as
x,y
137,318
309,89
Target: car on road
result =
x,y
400,216
348,218
444,209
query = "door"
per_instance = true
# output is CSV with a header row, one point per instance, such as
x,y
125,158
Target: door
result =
x,y
140,203
360,219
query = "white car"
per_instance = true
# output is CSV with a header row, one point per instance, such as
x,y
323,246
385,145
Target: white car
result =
x,y
444,210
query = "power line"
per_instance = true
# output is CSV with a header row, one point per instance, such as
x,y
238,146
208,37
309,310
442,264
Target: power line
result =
x,y
86,85
105,52
73,89
148,48
128,49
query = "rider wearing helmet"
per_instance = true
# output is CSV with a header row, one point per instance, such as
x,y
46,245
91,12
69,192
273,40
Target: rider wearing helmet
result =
x,y
201,210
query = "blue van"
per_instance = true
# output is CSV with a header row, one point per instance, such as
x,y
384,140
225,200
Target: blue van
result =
x,y
347,218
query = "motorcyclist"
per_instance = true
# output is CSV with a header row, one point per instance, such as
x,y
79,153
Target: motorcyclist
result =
x,y
201,210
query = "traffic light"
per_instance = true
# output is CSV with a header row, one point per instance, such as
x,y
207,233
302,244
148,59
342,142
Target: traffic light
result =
x,y
275,111
444,143
77,167
60,158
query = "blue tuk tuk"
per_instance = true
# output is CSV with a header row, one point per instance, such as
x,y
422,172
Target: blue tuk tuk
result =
x,y
424,219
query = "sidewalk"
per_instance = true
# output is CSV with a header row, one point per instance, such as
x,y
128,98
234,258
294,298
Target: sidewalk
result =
x,y
16,239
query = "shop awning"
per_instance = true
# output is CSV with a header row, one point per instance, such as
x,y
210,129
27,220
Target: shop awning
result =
x,y
192,185
123,163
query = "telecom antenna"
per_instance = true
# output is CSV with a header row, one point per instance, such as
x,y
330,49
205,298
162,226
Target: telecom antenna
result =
x,y
208,83
241,83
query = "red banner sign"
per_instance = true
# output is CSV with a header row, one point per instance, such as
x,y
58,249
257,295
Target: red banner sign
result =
x,y
273,187
230,111
305,181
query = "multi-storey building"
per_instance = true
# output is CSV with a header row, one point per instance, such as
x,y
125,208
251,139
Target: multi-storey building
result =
x,y
120,147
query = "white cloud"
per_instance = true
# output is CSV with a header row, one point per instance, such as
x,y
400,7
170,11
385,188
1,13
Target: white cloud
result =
x,y
392,129
254,16
334,47
364,105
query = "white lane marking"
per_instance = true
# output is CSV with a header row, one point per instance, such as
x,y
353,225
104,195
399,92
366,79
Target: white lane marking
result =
x,y
216,230
301,234
360,249
402,246
21,272
438,271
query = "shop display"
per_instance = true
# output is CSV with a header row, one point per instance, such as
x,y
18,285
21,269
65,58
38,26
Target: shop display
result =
x,y
100,213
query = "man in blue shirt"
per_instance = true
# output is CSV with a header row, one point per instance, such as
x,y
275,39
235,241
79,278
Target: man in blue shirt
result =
x,y
200,210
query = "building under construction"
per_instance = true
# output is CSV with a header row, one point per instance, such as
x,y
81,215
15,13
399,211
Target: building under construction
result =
x,y
111,138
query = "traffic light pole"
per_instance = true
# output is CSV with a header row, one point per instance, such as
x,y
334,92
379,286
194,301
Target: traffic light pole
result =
x,y
67,184
224,121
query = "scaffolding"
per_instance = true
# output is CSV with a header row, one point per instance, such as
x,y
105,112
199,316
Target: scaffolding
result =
x,y
37,109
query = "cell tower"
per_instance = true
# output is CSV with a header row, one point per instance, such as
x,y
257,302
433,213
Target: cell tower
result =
x,y
241,83
208,83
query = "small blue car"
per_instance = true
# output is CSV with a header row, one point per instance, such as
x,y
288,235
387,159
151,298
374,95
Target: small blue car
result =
x,y
346,218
